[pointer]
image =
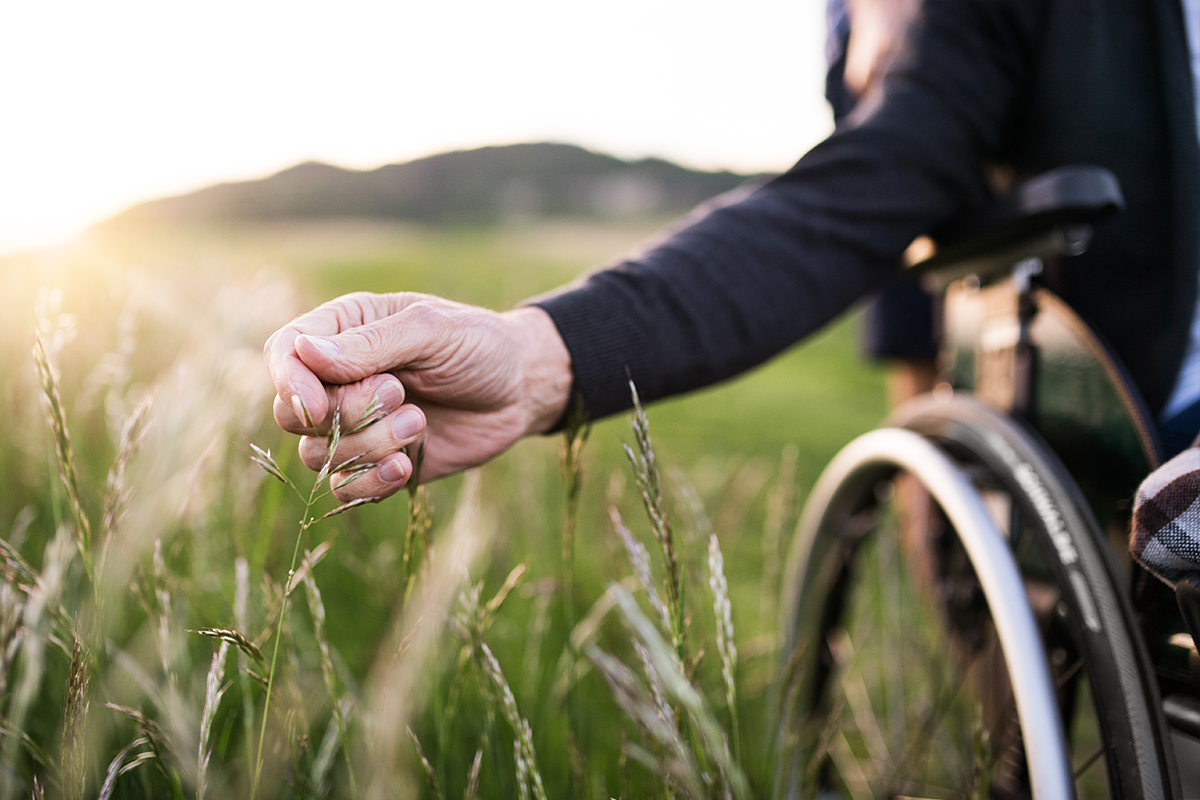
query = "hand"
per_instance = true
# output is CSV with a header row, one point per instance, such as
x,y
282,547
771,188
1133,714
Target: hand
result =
x,y
471,382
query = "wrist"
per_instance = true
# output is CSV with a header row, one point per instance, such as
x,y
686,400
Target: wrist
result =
x,y
546,377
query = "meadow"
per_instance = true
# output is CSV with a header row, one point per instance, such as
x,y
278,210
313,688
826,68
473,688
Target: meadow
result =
x,y
559,623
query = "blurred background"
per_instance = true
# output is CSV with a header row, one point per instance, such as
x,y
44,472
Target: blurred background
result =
x,y
176,182
106,104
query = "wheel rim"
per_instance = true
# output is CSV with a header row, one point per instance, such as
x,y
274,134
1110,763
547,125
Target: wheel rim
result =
x,y
915,700
824,682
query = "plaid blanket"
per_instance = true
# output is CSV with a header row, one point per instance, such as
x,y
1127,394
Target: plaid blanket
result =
x,y
1166,518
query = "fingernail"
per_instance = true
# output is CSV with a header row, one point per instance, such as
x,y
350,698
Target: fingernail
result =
x,y
301,412
391,472
326,346
407,424
389,395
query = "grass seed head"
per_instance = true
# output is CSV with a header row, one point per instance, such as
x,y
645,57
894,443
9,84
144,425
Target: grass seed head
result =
x,y
235,638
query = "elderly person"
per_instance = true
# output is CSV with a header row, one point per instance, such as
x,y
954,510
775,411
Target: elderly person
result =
x,y
980,93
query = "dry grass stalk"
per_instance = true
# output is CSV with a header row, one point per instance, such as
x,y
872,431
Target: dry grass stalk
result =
x,y
470,624
241,598
668,670
12,608
673,764
722,608
726,645
214,690
234,638
539,625
307,520
122,763
515,578
117,492
781,509
472,790
420,522
372,414
528,776
322,764
73,771
577,431
38,618
161,749
981,757
640,560
63,450
654,682
317,609
571,669
431,779
395,692
162,610
14,569
646,474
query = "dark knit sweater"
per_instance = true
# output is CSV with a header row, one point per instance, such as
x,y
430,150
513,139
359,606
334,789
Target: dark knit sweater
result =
x,y
984,88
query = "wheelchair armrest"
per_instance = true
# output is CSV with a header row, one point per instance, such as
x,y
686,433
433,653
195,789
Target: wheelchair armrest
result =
x,y
1047,215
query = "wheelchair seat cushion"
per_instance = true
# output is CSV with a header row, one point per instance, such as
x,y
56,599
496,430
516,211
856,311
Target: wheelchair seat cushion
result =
x,y
1166,518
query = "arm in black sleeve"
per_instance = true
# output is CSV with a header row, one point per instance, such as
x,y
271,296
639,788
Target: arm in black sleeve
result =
x,y
750,277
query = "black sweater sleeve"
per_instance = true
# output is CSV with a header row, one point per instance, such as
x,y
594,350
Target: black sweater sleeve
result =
x,y
748,277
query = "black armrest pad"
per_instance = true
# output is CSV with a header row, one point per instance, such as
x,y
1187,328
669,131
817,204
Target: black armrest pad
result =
x,y
1060,198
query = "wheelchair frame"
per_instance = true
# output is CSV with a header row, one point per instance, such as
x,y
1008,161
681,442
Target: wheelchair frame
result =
x,y
1020,351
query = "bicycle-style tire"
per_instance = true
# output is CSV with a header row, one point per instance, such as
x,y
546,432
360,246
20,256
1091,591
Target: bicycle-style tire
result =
x,y
1088,629
1095,611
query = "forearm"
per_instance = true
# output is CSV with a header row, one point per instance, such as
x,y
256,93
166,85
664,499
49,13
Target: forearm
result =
x,y
734,288
749,279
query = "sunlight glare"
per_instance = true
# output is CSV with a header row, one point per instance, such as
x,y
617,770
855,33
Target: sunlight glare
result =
x,y
106,104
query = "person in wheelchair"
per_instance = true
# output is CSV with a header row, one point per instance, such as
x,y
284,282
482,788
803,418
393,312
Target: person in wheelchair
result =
x,y
899,319
982,94
981,97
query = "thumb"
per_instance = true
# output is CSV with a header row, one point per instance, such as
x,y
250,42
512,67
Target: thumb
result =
x,y
365,350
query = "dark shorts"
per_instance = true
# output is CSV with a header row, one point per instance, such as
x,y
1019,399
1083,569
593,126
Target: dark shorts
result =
x,y
900,323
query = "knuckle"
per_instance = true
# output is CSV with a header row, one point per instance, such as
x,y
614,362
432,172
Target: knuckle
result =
x,y
368,338
426,314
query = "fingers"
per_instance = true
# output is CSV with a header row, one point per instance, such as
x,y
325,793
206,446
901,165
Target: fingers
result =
x,y
373,444
415,333
301,400
299,389
359,404
383,480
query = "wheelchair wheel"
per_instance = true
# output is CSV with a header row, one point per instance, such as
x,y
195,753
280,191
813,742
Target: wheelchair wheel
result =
x,y
899,678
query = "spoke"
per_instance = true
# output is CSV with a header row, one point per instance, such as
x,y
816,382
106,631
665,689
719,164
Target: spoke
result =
x,y
926,723
1068,674
1089,762
889,600
907,681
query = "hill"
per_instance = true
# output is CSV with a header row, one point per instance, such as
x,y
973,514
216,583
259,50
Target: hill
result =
x,y
489,184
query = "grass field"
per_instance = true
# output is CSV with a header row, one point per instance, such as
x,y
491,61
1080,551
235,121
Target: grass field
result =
x,y
516,673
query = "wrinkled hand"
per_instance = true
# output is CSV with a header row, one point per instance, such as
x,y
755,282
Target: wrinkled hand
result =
x,y
466,381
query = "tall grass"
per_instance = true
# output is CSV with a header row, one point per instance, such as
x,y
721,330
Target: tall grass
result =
x,y
551,634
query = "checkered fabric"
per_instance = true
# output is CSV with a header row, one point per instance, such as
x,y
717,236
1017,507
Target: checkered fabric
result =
x,y
1166,518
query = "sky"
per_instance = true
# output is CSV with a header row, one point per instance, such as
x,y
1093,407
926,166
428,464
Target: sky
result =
x,y
104,104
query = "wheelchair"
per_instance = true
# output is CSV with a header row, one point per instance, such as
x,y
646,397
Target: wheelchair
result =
x,y
961,617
